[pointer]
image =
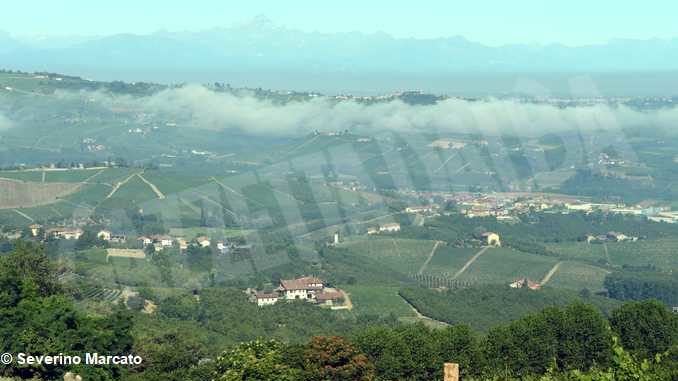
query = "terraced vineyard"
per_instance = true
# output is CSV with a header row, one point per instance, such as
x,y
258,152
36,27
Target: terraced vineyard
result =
x,y
101,294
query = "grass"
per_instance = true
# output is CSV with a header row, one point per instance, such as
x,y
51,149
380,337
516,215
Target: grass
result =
x,y
22,175
577,275
579,251
192,232
484,307
500,265
135,190
170,182
660,253
448,260
402,255
71,176
376,300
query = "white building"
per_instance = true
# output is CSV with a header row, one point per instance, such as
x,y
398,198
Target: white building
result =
x,y
163,240
390,228
65,233
265,299
203,241
301,288
104,235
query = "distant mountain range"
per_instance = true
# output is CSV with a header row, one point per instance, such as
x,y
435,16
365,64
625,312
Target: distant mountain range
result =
x,y
260,53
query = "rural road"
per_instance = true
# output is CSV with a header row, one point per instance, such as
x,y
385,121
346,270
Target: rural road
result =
x,y
551,273
470,262
153,187
22,214
118,185
421,316
445,162
430,256
235,191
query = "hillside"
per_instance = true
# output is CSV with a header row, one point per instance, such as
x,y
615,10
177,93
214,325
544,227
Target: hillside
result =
x,y
488,306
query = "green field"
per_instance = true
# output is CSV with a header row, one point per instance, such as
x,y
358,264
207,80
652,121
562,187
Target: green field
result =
x,y
579,251
659,252
483,307
577,275
135,190
402,255
500,265
22,175
448,260
376,300
193,232
662,253
72,176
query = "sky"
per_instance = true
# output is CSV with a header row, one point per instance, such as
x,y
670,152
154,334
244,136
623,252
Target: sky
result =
x,y
497,22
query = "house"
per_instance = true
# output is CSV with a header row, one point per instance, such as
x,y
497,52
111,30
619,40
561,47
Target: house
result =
x,y
163,240
145,241
183,244
328,297
265,299
421,209
300,288
35,229
372,230
616,236
203,241
118,238
520,283
675,310
390,228
223,247
65,233
309,288
491,239
104,235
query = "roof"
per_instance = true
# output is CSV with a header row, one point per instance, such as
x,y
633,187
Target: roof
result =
x,y
202,238
332,295
303,283
265,295
391,225
65,230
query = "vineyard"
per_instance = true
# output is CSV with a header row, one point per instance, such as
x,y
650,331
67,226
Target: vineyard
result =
x,y
100,294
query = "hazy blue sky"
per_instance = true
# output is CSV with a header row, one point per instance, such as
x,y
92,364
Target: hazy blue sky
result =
x,y
572,22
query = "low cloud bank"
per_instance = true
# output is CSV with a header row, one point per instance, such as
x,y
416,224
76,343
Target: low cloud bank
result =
x,y
5,123
200,107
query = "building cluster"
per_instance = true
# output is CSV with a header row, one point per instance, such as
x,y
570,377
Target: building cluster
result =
x,y
311,289
525,282
508,206
157,241
610,237
392,227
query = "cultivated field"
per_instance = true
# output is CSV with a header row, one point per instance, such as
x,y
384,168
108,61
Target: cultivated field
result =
x,y
403,255
20,194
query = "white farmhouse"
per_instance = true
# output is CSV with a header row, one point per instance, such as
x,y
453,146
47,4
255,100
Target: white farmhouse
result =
x,y
300,288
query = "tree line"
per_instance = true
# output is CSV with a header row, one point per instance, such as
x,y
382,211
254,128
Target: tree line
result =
x,y
639,340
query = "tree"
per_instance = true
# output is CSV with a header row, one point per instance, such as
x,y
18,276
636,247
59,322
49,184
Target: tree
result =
x,y
26,270
38,318
168,356
582,334
459,344
645,328
259,360
333,358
